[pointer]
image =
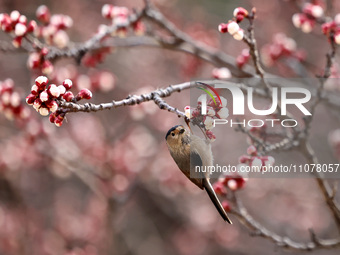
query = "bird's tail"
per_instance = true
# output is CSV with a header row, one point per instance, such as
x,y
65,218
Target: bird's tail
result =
x,y
210,190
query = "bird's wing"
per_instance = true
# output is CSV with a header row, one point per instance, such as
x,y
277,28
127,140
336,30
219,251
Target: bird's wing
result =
x,y
196,176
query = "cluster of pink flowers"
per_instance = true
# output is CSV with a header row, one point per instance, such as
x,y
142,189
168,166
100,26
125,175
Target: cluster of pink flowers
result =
x,y
44,100
53,27
216,110
10,102
232,26
311,12
243,58
16,24
120,18
36,60
332,29
236,181
254,160
282,46
232,182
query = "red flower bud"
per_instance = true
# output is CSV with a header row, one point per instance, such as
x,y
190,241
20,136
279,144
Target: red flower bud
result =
x,y
219,188
240,182
59,120
239,18
17,41
30,99
240,11
226,206
32,25
41,81
68,96
67,84
52,117
44,51
43,14
84,94
244,159
223,28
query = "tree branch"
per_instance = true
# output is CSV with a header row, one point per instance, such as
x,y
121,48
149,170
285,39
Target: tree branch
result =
x,y
282,241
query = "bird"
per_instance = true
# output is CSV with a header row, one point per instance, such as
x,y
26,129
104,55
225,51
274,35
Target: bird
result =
x,y
188,151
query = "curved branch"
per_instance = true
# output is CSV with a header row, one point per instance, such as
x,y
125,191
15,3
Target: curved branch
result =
x,y
282,241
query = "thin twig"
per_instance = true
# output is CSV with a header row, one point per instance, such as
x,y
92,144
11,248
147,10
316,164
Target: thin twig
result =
x,y
282,241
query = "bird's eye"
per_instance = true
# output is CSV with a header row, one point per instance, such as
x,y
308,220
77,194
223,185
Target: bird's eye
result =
x,y
173,134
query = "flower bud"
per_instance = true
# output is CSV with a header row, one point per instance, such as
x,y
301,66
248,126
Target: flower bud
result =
x,y
139,28
240,11
107,11
43,96
208,122
52,117
221,73
239,35
37,103
252,150
219,188
223,28
256,163
223,113
32,25
244,159
53,90
43,111
17,41
187,112
233,27
30,99
33,60
226,206
53,106
15,15
84,94
47,67
211,136
41,81
20,29
210,111
62,89
67,84
59,120
297,21
43,14
68,96
232,184
307,26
